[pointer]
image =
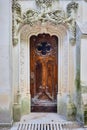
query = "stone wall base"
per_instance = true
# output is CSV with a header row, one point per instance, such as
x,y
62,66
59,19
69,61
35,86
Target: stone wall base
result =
x,y
66,107
5,118
16,112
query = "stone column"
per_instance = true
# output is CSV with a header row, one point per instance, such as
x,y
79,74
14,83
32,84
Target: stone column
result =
x,y
59,96
16,102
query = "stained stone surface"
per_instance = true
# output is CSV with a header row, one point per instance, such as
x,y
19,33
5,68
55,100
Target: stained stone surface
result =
x,y
42,118
5,88
5,128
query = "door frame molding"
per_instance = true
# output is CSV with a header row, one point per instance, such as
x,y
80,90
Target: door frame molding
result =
x,y
21,68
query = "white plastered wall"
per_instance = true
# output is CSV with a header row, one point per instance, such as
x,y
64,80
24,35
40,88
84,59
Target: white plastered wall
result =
x,y
83,61
5,68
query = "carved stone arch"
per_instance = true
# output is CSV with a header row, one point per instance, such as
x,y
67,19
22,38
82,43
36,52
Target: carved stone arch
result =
x,y
23,58
61,28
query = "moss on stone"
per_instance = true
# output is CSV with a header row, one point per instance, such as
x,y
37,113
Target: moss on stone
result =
x,y
85,116
77,81
71,111
16,112
25,106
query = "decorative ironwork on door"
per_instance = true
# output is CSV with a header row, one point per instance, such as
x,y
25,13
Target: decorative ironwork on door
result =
x,y
44,72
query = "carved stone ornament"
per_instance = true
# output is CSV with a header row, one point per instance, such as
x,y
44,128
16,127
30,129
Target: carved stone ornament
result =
x,y
71,12
16,19
40,3
56,17
43,49
46,14
15,41
70,6
16,8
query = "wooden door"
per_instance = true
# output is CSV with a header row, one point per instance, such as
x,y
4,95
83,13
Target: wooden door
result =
x,y
43,73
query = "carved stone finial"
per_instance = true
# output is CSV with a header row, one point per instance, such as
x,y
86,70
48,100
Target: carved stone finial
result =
x,y
17,19
40,3
71,12
70,6
16,7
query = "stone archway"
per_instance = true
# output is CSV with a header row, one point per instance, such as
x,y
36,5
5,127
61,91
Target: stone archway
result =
x,y
22,60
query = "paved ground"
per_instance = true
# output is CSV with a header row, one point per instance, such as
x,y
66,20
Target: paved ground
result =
x,y
45,118
42,118
5,128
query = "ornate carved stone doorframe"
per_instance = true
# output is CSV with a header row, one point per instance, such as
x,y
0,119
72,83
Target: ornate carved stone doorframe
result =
x,y
24,26
22,59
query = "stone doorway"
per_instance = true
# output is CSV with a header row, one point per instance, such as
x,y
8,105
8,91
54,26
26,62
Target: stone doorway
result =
x,y
22,72
35,23
43,72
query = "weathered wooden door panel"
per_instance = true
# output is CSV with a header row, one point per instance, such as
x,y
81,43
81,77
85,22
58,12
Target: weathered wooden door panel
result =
x,y
38,76
44,73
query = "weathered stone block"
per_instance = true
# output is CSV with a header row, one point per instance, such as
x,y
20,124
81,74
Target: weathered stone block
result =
x,y
25,105
16,112
71,111
85,116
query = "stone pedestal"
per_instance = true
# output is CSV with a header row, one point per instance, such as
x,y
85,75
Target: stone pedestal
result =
x,y
26,105
71,111
16,112
59,103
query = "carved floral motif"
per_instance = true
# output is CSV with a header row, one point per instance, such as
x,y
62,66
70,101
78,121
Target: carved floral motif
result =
x,y
44,2
56,17
71,12
46,14
70,6
16,19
